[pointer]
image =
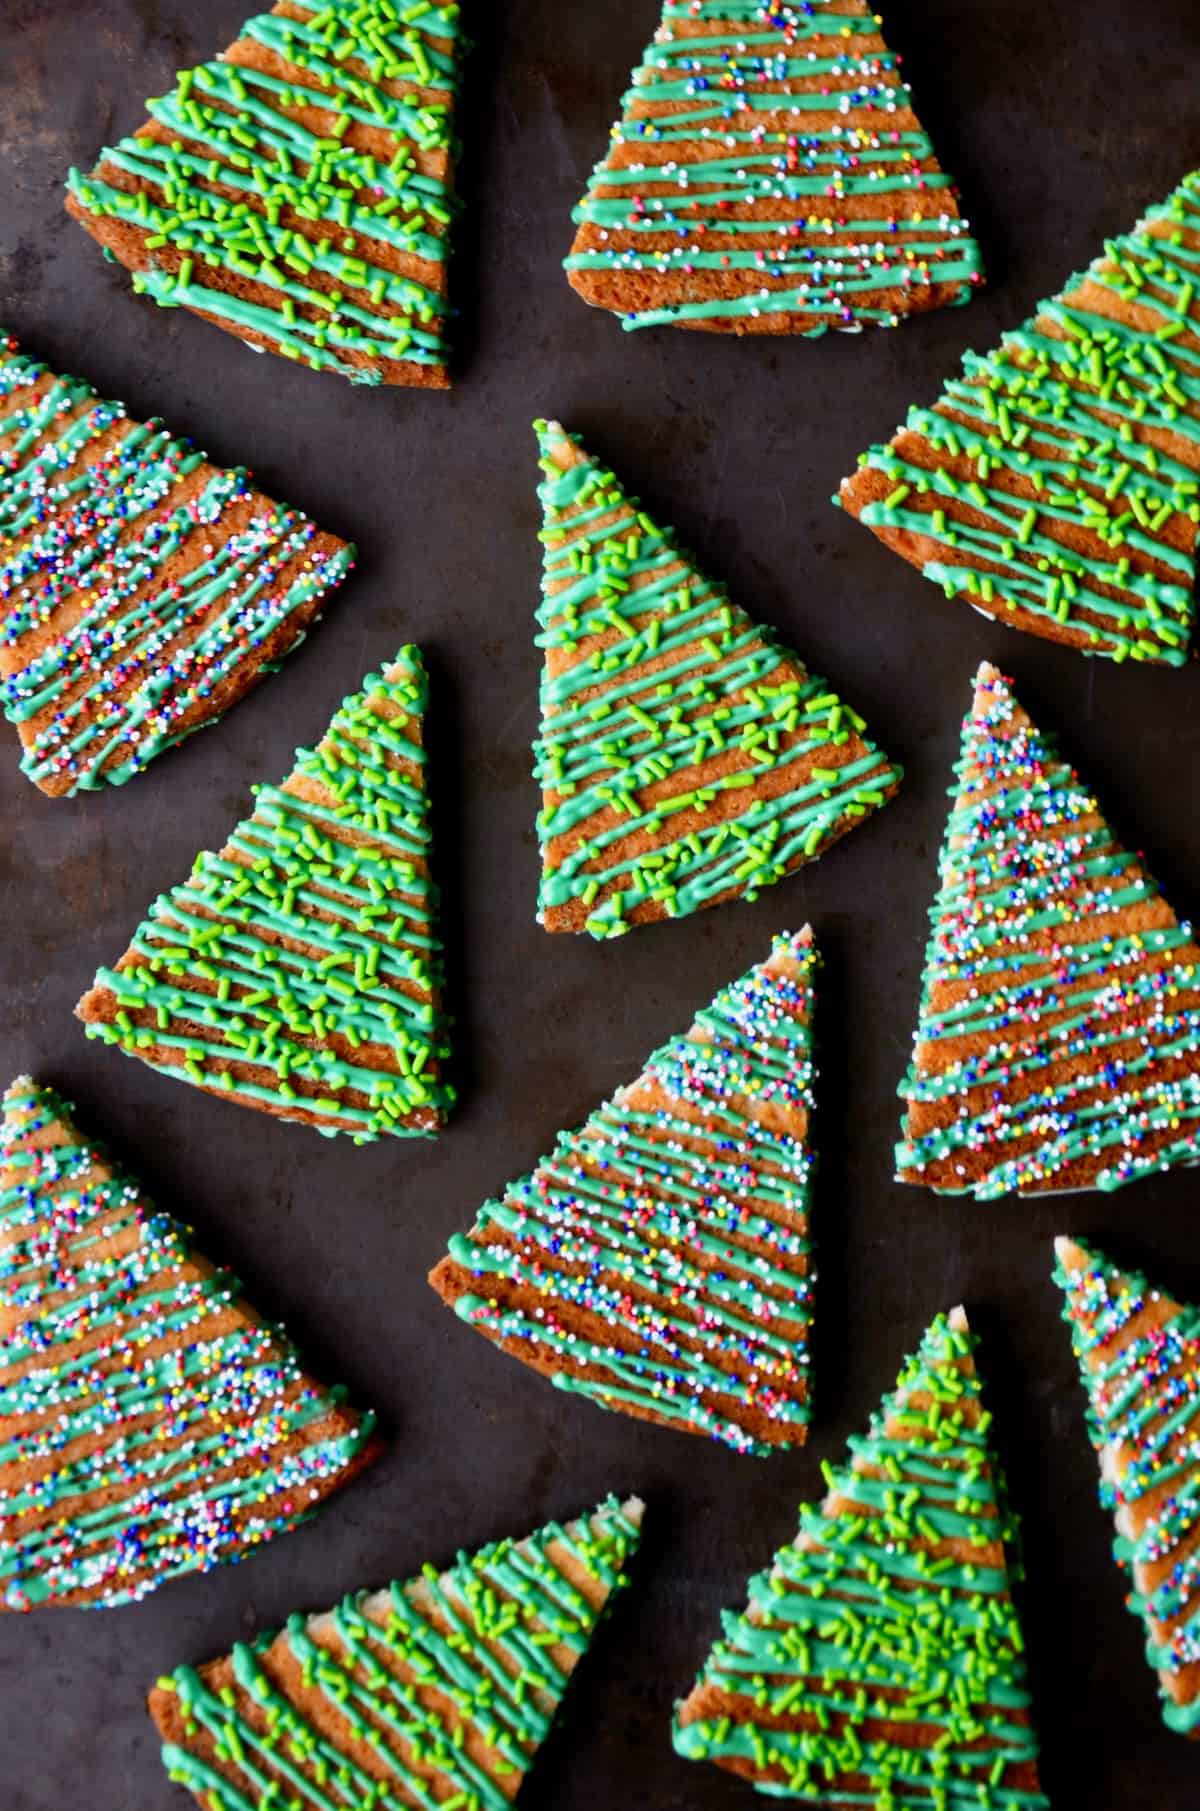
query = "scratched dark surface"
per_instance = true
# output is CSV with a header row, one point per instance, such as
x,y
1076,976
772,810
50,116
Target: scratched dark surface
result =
x,y
1060,123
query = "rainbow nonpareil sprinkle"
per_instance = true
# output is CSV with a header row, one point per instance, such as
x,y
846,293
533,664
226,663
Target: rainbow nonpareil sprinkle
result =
x,y
151,1425
769,174
1058,1040
142,590
658,1261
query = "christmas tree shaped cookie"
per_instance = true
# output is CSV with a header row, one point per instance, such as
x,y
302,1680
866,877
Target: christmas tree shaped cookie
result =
x,y
1055,484
1138,1354
142,590
298,971
658,1260
769,174
684,757
880,1661
151,1424
298,190
437,1691
1057,1045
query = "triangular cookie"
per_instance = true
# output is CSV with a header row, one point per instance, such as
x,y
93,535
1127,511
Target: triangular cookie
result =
x,y
299,189
1138,1351
880,1661
435,1692
298,971
144,590
1056,1045
768,174
658,1260
1055,485
151,1424
684,757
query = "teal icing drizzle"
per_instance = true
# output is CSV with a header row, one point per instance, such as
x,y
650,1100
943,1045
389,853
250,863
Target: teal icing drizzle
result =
x,y
130,1455
281,201
1142,1377
773,147
1059,1026
683,755
420,1675
675,1222
1079,425
134,660
300,968
877,1664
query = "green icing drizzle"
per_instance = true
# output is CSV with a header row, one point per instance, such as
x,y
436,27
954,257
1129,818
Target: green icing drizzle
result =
x,y
420,1674
299,968
1143,1390
654,684
283,183
1078,425
748,174
84,544
186,1447
679,1229
1059,1023
900,1658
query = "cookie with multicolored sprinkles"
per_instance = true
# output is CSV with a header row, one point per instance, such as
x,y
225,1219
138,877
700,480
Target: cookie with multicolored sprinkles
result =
x,y
143,591
1058,1041
435,1692
151,1424
1055,484
658,1261
685,757
1138,1353
880,1661
769,174
298,971
298,190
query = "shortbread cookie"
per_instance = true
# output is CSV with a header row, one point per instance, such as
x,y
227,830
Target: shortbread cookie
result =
x,y
685,758
880,1661
299,970
1055,485
1057,1045
769,174
436,1692
1138,1353
298,191
658,1261
151,1424
142,590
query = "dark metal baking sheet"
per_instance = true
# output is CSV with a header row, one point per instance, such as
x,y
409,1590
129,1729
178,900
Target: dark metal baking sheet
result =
x,y
1061,122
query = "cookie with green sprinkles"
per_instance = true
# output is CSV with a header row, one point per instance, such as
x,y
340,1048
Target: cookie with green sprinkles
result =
x,y
658,1261
298,970
880,1662
1058,1039
1139,1359
1055,484
685,757
143,591
151,1423
769,174
436,1692
298,190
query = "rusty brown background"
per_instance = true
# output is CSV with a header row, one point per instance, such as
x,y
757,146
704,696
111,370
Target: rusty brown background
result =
x,y
1061,121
